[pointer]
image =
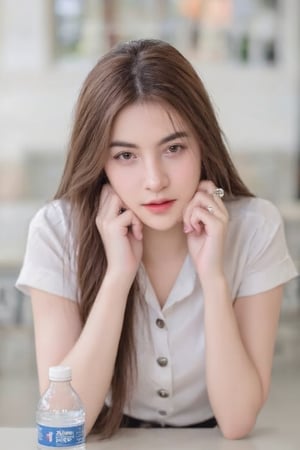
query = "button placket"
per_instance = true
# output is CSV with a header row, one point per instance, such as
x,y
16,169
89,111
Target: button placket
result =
x,y
160,323
162,369
162,361
163,393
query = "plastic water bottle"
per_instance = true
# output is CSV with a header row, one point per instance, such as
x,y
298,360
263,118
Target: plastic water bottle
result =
x,y
60,414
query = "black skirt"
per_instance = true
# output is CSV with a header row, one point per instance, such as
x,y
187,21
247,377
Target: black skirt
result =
x,y
132,422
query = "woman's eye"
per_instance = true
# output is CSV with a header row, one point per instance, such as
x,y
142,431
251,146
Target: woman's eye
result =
x,y
124,156
175,148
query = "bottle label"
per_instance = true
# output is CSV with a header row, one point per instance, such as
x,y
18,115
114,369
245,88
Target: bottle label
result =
x,y
60,436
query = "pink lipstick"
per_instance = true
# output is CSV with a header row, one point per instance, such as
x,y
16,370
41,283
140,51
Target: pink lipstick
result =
x,y
159,206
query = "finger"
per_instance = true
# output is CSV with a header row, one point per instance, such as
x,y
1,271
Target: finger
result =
x,y
207,186
201,198
129,222
217,208
137,228
105,197
202,218
216,212
196,223
211,188
197,200
110,203
218,193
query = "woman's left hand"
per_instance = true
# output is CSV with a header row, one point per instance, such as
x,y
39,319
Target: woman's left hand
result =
x,y
205,222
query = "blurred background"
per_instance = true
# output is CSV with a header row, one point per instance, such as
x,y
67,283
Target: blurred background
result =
x,y
246,51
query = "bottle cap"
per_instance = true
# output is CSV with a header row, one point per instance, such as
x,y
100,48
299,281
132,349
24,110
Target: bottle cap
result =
x,y
60,373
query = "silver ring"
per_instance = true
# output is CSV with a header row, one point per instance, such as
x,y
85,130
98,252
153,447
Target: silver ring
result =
x,y
210,209
219,192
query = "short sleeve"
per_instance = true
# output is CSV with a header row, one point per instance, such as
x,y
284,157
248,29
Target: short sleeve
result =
x,y
268,263
48,263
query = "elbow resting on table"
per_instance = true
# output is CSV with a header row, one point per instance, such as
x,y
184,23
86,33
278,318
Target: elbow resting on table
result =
x,y
238,429
239,423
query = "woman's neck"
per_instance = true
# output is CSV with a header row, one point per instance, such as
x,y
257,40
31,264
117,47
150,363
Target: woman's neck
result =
x,y
160,246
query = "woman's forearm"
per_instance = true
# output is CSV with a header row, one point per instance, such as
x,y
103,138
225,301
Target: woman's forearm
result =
x,y
93,356
233,383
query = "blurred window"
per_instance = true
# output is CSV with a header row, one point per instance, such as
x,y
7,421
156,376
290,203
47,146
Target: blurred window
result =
x,y
68,15
244,31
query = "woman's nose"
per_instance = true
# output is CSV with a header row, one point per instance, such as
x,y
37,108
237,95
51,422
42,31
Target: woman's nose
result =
x,y
156,177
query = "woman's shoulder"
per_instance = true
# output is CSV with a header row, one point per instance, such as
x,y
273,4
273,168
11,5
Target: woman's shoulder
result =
x,y
54,214
49,262
256,249
253,209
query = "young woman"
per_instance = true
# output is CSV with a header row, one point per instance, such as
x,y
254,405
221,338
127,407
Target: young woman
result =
x,y
161,294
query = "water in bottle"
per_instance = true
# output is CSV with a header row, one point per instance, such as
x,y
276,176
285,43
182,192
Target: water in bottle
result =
x,y
60,414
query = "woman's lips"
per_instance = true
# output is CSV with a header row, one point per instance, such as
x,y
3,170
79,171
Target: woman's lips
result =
x,y
159,207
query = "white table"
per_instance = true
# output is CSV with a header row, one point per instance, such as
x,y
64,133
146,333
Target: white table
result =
x,y
167,439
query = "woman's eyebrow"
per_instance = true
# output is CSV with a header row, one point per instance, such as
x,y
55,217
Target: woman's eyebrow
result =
x,y
170,137
122,144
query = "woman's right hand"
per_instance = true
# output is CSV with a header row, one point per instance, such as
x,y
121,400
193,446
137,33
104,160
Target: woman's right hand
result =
x,y
121,233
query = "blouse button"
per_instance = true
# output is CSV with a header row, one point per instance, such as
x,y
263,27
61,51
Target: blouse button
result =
x,y
160,323
162,361
162,413
163,393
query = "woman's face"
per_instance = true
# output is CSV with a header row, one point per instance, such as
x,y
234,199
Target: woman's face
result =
x,y
153,164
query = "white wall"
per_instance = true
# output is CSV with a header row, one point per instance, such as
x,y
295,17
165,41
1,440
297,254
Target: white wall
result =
x,y
257,107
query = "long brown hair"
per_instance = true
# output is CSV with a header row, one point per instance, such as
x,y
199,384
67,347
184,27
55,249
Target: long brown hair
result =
x,y
142,70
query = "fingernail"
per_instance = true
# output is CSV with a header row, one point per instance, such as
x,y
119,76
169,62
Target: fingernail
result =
x,y
187,228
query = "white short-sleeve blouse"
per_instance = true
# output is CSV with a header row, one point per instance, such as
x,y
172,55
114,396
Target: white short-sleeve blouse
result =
x,y
170,386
